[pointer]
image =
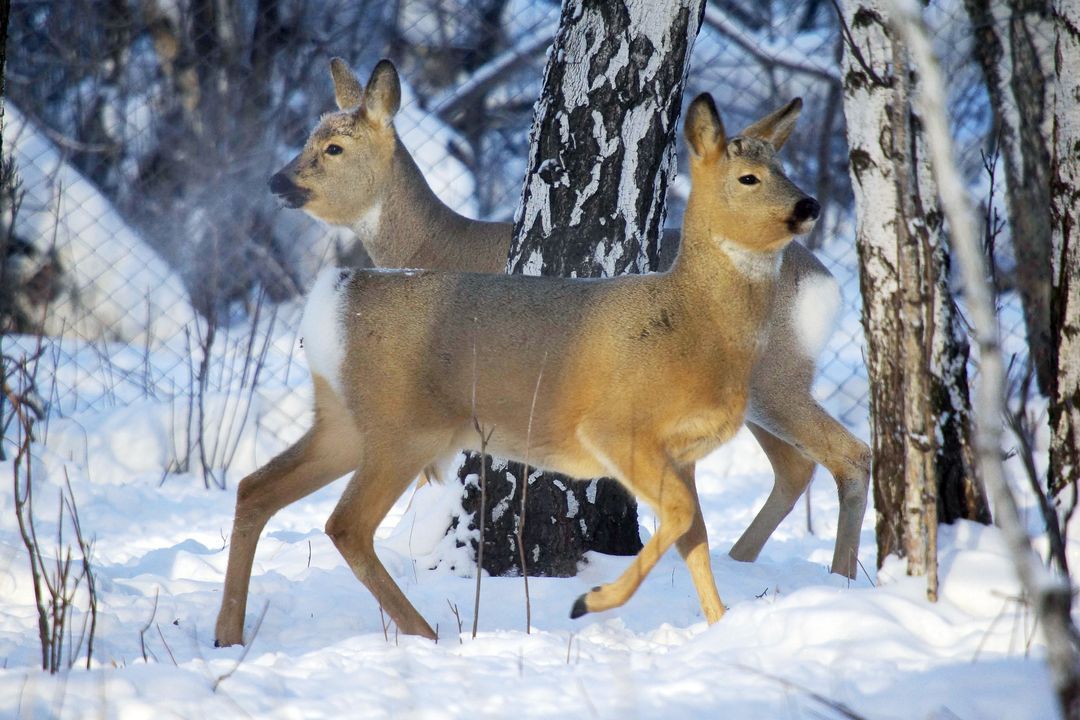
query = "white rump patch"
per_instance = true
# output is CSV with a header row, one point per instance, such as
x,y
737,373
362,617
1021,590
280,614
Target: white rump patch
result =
x,y
817,305
322,329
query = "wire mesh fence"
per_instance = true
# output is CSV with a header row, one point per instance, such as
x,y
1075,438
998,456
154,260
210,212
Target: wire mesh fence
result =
x,y
146,261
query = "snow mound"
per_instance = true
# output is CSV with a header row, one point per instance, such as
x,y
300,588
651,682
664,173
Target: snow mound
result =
x,y
115,287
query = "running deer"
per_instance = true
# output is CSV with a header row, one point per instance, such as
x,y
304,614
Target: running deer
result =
x,y
354,171
397,385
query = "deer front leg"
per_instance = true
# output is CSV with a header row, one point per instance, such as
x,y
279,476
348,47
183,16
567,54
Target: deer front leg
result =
x,y
670,490
299,471
371,493
694,548
326,452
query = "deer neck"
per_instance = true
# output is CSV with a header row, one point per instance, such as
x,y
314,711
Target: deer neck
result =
x,y
409,222
708,255
732,288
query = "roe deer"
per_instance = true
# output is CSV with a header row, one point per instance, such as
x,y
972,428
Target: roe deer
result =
x,y
397,385
354,171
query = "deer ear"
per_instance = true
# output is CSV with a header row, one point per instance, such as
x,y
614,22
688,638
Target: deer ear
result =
x,y
776,127
347,90
704,129
383,96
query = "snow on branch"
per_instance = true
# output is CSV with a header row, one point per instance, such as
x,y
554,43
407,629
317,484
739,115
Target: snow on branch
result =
x,y
781,55
450,102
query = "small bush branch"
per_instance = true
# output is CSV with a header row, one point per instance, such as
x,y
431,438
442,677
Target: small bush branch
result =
x,y
55,593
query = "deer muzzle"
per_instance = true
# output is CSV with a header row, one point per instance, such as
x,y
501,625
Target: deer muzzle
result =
x,y
290,194
803,215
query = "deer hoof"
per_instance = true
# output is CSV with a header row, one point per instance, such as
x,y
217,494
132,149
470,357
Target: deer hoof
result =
x,y
579,609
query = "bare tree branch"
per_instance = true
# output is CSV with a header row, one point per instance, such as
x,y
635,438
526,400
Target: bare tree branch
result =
x,y
452,101
785,57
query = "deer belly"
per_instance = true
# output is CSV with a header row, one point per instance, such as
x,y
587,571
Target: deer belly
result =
x,y
697,435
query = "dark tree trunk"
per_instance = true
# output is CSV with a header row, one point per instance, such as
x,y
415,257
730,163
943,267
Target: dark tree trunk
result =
x,y
602,152
923,467
1012,49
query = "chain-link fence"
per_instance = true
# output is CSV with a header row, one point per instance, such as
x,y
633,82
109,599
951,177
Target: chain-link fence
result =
x,y
143,242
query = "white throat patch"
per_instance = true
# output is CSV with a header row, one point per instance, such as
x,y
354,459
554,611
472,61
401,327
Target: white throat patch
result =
x,y
368,224
750,263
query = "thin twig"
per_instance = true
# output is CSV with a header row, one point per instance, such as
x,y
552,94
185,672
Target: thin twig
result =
x,y
838,707
243,654
457,617
1019,423
166,644
525,494
870,579
87,571
385,624
855,51
142,632
484,439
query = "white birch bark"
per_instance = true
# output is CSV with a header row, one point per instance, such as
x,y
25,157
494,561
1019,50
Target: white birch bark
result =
x,y
1052,595
916,357
1065,217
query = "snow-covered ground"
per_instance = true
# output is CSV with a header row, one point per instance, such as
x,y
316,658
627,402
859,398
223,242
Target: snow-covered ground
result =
x,y
796,643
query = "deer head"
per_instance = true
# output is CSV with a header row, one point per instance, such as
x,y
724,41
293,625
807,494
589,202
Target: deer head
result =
x,y
340,174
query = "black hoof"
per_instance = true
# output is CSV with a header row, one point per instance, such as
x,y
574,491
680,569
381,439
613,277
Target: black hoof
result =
x,y
579,608
217,643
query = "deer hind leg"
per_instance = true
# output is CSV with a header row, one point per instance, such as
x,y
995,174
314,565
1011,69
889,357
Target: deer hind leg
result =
x,y
386,472
806,426
325,453
670,490
792,471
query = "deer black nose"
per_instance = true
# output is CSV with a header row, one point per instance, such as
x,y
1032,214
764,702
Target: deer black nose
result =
x,y
280,184
807,209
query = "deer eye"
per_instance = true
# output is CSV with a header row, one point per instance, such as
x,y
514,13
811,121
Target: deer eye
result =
x,y
333,149
749,180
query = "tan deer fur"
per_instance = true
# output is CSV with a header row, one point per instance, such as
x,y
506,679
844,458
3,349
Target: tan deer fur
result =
x,y
412,228
374,187
397,385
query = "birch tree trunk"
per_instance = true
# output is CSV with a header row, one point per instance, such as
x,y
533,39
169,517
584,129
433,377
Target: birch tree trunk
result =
x,y
602,151
1065,217
920,409
1050,593
1013,45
